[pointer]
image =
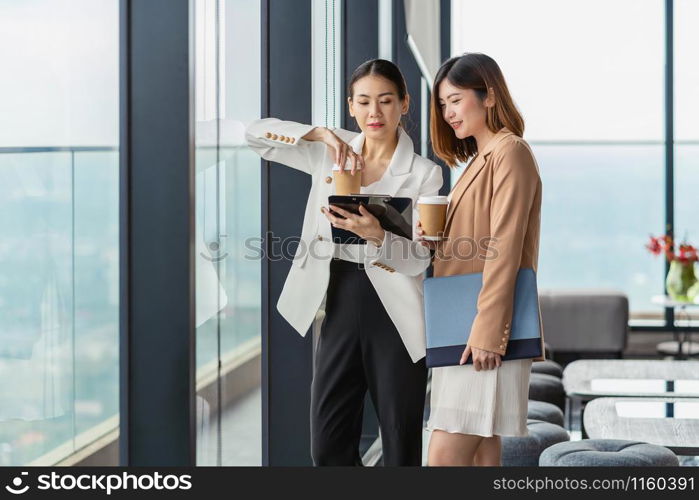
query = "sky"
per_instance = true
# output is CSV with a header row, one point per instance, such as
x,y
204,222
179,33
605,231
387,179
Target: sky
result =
x,y
586,71
63,59
60,63
590,70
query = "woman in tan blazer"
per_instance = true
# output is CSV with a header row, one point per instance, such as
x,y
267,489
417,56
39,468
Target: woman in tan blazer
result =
x,y
492,227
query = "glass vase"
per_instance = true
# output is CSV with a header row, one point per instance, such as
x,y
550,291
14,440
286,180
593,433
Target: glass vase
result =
x,y
679,281
693,292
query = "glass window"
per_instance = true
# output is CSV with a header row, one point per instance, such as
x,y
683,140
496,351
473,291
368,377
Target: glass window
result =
x,y
59,260
327,89
589,84
686,130
228,204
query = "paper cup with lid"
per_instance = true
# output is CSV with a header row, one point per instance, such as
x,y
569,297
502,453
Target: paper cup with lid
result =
x,y
433,216
345,182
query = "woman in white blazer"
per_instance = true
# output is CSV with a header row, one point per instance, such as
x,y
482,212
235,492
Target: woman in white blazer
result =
x,y
372,337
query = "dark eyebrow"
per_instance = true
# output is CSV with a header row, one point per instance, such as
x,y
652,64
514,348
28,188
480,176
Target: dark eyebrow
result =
x,y
450,95
380,95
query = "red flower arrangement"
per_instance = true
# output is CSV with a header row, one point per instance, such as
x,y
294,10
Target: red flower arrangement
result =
x,y
664,244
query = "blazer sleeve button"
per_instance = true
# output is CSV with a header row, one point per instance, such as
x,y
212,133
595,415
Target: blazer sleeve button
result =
x,y
268,135
293,140
274,136
328,180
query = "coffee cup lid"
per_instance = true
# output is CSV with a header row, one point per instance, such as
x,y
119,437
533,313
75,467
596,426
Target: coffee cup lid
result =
x,y
336,167
433,200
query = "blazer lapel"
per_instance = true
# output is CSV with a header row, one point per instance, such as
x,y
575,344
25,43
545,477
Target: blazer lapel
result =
x,y
471,173
462,185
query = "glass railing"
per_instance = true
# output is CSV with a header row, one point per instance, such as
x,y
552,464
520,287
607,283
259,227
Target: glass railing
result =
x,y
600,202
228,279
59,290
228,290
59,298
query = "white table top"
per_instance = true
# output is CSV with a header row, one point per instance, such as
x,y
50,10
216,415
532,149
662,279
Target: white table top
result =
x,y
665,300
646,420
593,378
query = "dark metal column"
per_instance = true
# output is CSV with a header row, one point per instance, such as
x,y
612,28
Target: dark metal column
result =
x,y
445,52
669,141
157,371
360,42
403,57
286,356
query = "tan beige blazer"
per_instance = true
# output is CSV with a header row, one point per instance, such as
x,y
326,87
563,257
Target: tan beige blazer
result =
x,y
493,223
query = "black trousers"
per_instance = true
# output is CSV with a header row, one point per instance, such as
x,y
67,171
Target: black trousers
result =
x,y
359,348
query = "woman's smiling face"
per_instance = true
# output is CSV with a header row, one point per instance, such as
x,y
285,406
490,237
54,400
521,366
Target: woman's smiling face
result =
x,y
462,109
376,106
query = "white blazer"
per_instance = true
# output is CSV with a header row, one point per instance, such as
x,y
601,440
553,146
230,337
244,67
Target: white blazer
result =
x,y
408,175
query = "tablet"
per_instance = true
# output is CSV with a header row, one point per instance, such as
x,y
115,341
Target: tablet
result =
x,y
394,214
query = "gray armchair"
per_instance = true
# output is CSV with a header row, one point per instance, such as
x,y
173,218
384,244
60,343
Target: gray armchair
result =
x,y
585,323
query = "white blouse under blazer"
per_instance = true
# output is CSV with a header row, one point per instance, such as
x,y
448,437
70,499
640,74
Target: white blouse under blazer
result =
x,y
395,269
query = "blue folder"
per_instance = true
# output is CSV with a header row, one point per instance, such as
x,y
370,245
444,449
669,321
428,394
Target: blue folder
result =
x,y
451,306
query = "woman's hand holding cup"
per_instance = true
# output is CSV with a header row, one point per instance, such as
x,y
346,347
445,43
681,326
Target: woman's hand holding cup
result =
x,y
432,245
433,215
342,152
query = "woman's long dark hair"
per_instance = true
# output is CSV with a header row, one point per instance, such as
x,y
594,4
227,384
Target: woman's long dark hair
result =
x,y
480,73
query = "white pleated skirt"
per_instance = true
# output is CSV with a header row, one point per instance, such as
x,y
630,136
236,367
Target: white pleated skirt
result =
x,y
485,403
